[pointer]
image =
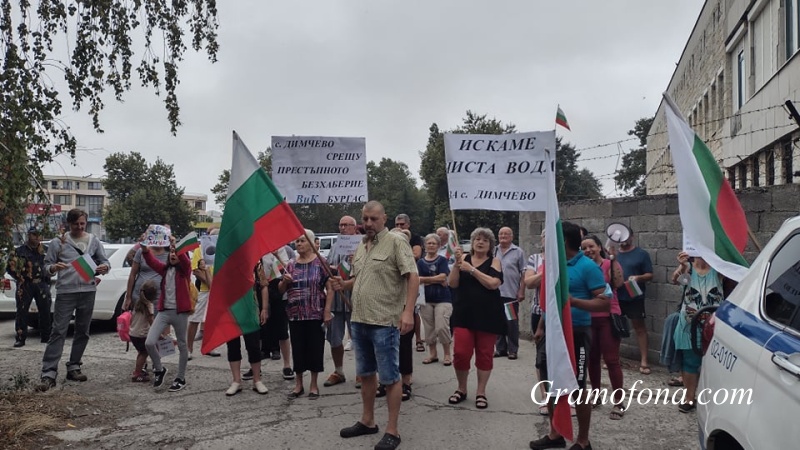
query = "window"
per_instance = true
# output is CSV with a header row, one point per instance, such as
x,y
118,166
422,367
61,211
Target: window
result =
x,y
80,200
782,294
732,177
77,185
788,151
764,62
66,185
62,200
53,184
742,176
755,173
770,163
94,205
741,79
94,185
792,16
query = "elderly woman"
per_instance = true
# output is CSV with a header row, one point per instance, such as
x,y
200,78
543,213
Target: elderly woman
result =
x,y
703,287
308,306
433,271
141,272
478,315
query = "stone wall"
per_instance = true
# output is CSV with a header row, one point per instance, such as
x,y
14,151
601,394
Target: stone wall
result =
x,y
657,229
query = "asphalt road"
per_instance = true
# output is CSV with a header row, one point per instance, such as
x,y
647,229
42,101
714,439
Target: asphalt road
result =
x,y
125,414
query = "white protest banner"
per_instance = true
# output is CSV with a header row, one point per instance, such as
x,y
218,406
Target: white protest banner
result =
x,y
498,172
313,169
346,244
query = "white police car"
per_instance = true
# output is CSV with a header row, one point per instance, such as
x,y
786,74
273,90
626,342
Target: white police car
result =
x,y
753,355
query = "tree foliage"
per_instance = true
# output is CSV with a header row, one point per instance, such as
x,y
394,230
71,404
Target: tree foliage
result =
x,y
99,37
573,184
630,177
140,194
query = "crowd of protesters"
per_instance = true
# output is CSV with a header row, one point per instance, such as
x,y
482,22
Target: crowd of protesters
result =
x,y
400,293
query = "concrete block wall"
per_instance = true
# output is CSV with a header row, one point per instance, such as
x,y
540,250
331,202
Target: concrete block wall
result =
x,y
657,229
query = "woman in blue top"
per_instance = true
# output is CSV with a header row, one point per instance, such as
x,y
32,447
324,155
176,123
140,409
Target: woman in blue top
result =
x,y
435,313
704,288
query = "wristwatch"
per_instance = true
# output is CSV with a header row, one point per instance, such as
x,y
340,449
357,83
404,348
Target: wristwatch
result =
x,y
471,271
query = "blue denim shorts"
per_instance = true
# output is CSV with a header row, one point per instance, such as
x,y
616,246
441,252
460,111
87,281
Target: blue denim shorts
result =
x,y
377,349
335,334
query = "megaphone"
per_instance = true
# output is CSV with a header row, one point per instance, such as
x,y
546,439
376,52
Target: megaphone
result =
x,y
618,232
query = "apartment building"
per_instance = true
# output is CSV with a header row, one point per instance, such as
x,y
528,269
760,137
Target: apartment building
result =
x,y
740,65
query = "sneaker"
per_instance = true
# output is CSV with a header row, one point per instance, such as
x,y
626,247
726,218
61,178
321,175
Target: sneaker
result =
x,y
348,346
177,385
334,379
686,407
276,355
199,335
76,375
288,373
45,384
190,357
140,378
545,442
19,343
158,377
248,375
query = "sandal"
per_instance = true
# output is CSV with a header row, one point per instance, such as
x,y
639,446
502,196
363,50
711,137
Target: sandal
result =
x,y
447,361
430,360
293,395
313,395
406,392
481,402
457,397
675,381
381,391
420,346
644,370
617,412
388,442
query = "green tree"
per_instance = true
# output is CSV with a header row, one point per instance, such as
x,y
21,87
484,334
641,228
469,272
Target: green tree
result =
x,y
573,184
630,177
100,37
140,194
220,190
391,183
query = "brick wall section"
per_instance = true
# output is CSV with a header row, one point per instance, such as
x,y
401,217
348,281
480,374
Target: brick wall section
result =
x,y
657,228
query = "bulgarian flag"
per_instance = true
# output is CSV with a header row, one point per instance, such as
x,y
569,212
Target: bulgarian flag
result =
x,y
274,269
711,215
450,250
344,270
257,220
188,243
561,119
85,267
559,343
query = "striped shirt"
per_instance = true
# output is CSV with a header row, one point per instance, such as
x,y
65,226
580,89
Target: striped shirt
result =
x,y
535,262
379,292
306,296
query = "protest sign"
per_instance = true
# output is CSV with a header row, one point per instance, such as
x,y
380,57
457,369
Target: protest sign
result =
x,y
346,245
498,172
156,236
312,169
688,247
208,248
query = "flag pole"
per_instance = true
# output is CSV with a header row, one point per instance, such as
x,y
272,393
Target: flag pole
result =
x,y
753,238
453,216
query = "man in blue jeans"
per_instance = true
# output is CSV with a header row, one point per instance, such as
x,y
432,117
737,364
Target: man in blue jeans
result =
x,y
74,295
385,284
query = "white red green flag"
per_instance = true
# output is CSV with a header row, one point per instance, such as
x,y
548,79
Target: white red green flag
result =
x,y
711,215
85,267
561,119
344,270
257,220
274,269
450,249
187,244
559,342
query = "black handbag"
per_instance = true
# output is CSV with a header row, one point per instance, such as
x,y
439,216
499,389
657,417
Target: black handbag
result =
x,y
619,326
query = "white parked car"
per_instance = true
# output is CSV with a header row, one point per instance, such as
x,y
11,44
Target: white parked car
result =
x,y
753,354
110,290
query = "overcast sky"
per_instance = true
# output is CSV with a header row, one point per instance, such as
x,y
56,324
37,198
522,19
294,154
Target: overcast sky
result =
x,y
387,70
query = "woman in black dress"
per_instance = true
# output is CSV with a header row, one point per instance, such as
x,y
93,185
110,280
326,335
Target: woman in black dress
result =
x,y
478,315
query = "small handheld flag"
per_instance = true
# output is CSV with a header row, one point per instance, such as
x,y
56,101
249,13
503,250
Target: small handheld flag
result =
x,y
633,288
450,250
188,243
344,270
274,270
85,267
511,313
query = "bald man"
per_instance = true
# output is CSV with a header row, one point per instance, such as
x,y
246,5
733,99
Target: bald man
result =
x,y
385,284
512,290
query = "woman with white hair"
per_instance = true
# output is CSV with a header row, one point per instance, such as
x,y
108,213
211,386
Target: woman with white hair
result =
x,y
308,306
